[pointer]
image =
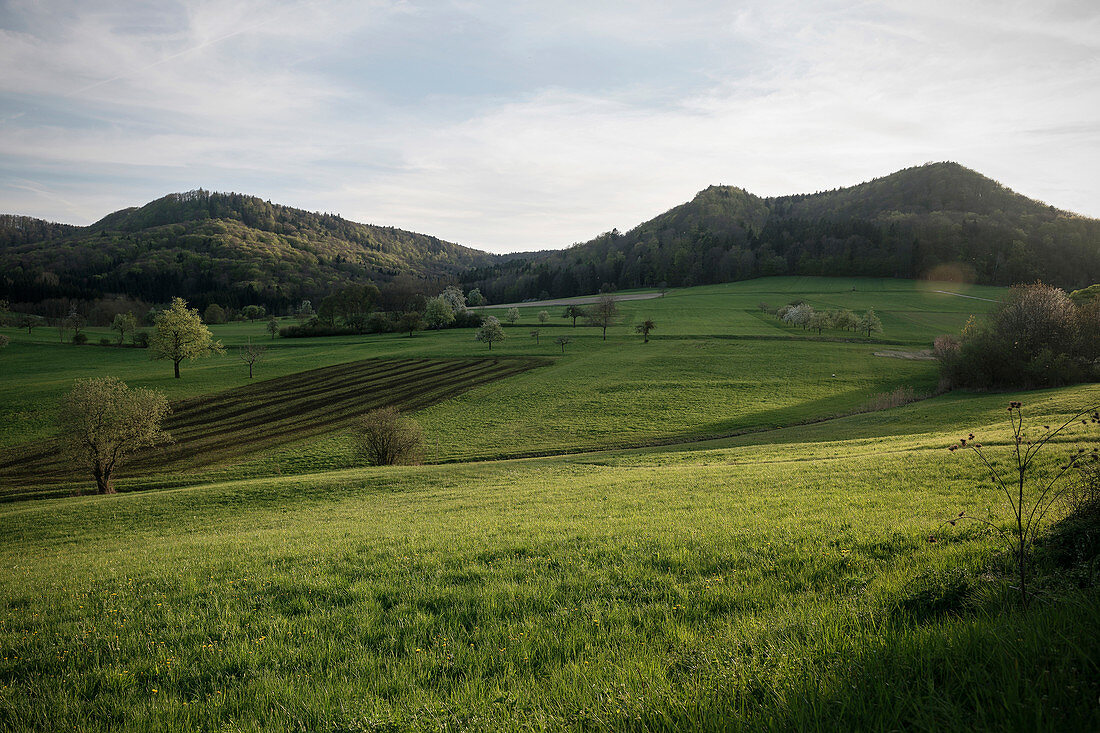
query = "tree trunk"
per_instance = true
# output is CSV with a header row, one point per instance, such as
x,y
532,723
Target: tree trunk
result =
x,y
177,366
103,481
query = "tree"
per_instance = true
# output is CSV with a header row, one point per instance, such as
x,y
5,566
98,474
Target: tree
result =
x,y
475,298
250,355
180,334
305,310
4,340
535,336
870,323
574,312
75,322
490,331
102,421
273,327
846,320
438,313
544,316
819,320
411,321
513,315
644,328
214,313
124,323
352,304
29,322
604,313
387,438
454,297
252,312
562,341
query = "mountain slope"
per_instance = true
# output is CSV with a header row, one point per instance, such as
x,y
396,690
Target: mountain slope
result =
x,y
229,248
940,220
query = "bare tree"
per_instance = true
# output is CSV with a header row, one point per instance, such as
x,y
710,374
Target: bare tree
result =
x,y
386,437
102,421
604,313
535,336
75,322
251,354
562,341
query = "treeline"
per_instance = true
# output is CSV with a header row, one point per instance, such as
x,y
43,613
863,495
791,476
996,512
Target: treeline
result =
x,y
939,220
359,309
229,249
24,229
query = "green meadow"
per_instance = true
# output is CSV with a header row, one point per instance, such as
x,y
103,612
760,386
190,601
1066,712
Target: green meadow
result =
x,y
708,531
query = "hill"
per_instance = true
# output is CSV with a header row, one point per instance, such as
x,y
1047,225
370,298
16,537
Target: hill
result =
x,y
940,220
214,247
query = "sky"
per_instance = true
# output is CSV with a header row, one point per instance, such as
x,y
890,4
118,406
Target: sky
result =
x,y
516,125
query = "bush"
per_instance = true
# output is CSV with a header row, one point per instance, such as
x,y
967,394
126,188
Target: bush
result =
x,y
80,339
315,328
468,319
141,339
386,437
1036,338
105,342
380,322
886,400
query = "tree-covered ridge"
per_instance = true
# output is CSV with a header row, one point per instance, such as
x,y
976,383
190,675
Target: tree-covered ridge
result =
x,y
226,248
16,229
939,219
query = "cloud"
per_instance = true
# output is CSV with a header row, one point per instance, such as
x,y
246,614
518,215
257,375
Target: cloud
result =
x,y
519,126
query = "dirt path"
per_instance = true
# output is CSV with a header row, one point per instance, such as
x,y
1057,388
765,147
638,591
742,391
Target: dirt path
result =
x,y
960,295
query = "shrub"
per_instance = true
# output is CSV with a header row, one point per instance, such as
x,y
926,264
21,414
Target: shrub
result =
x,y
886,400
1030,493
141,339
1036,338
385,437
80,338
315,328
468,319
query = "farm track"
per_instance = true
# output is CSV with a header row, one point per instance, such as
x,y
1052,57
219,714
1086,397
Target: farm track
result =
x,y
234,425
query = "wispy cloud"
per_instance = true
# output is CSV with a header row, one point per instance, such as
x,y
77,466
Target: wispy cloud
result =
x,y
516,126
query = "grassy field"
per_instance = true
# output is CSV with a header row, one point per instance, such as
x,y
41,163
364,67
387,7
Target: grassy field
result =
x,y
710,548
715,366
757,586
234,425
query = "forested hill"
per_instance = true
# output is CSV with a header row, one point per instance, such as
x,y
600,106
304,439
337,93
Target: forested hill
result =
x,y
230,248
939,219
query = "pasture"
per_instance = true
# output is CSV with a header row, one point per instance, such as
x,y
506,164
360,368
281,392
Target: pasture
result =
x,y
701,532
